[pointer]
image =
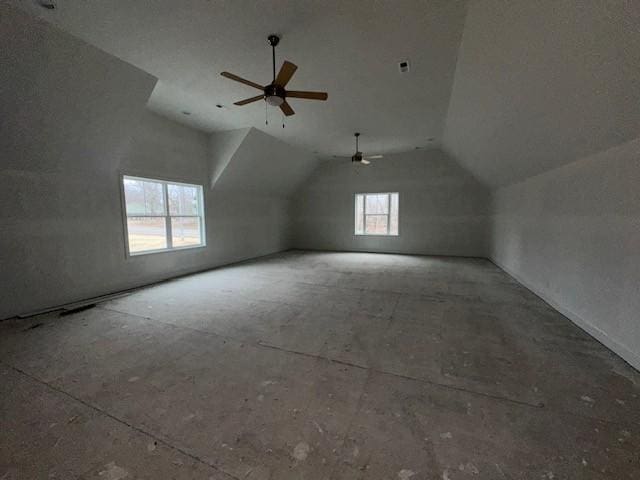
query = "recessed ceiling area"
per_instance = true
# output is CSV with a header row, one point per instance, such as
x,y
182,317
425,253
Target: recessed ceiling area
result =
x,y
350,51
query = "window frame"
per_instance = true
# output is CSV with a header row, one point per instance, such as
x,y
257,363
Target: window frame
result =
x,y
165,182
364,214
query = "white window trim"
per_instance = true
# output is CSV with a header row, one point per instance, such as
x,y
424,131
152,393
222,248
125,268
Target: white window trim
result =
x,y
364,214
167,216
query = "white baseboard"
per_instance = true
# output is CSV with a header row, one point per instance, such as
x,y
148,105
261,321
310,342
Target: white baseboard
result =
x,y
624,352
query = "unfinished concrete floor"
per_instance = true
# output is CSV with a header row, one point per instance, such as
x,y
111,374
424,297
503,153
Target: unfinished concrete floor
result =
x,y
317,366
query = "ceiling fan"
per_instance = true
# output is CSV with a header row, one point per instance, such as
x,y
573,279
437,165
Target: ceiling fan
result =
x,y
275,93
359,158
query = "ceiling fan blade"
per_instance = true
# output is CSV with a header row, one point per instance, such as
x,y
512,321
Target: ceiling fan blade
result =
x,y
286,72
372,157
231,76
286,109
365,162
307,95
249,100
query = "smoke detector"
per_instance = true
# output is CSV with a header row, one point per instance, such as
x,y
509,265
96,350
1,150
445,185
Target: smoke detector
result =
x,y
403,66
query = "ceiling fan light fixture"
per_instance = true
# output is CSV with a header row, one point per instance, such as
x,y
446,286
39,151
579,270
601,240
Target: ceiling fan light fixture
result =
x,y
275,100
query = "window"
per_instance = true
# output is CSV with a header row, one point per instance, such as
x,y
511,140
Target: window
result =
x,y
376,214
162,215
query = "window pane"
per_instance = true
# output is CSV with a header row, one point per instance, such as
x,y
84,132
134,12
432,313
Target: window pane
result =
x,y
183,200
393,215
377,204
359,214
146,233
376,224
185,231
150,204
143,198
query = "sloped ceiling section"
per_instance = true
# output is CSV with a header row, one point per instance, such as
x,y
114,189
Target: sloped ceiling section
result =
x,y
249,160
350,49
64,104
222,148
543,83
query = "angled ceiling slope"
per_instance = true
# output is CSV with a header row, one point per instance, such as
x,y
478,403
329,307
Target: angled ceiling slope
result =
x,y
351,49
222,147
543,83
252,161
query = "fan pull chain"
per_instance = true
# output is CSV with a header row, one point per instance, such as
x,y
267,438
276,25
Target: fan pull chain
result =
x,y
266,114
283,120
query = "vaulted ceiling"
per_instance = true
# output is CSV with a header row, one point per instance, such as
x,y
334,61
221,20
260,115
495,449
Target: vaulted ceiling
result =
x,y
350,49
543,83
510,88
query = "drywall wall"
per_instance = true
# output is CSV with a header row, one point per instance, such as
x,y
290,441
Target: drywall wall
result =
x,y
544,108
67,113
572,235
543,83
260,165
74,120
443,210
252,177
237,226
222,147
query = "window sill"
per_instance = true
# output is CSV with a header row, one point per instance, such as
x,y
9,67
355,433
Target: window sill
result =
x,y
376,235
165,250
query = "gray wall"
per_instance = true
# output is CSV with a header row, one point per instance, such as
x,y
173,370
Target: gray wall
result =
x,y
572,235
443,210
544,108
239,225
73,120
259,165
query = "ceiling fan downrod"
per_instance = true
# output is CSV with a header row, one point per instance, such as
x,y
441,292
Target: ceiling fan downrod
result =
x,y
273,41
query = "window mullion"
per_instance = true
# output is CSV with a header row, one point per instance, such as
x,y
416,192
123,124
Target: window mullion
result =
x,y
201,216
167,217
364,209
388,212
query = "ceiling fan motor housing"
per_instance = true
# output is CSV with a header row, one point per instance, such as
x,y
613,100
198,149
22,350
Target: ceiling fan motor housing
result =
x,y
273,40
274,94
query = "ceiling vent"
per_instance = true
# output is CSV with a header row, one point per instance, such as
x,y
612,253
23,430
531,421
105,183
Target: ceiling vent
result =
x,y
48,4
403,66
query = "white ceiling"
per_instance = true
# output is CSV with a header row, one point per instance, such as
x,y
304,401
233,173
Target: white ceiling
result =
x,y
349,48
